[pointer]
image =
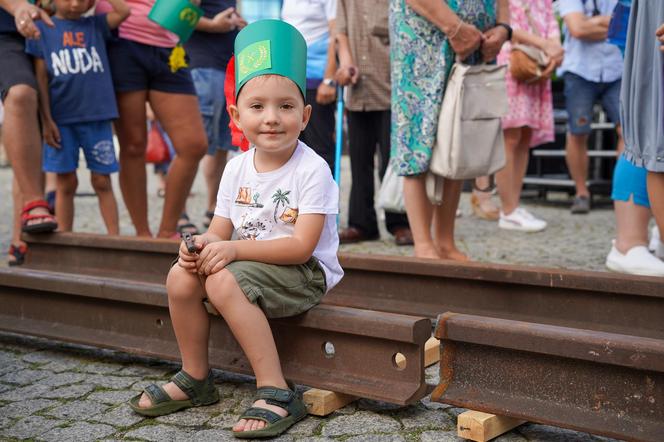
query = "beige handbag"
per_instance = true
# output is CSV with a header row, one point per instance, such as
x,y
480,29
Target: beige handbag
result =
x,y
470,140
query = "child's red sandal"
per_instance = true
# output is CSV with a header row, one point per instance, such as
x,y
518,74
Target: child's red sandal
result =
x,y
46,224
17,252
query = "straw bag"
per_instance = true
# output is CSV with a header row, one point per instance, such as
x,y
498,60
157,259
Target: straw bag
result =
x,y
528,63
470,135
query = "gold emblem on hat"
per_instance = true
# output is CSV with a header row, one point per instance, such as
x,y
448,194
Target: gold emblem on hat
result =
x,y
189,15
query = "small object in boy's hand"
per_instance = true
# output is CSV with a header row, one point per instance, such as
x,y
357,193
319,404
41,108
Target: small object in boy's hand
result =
x,y
189,242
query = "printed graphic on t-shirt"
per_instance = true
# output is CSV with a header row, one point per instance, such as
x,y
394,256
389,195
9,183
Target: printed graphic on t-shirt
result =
x,y
75,57
247,197
280,198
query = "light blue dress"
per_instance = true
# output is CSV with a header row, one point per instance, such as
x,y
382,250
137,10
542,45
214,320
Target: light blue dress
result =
x,y
642,95
421,59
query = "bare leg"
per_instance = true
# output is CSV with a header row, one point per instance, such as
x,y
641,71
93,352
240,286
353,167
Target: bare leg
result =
x,y
420,215
577,162
107,205
444,217
66,184
180,117
510,178
631,225
191,324
252,331
620,145
213,168
17,200
22,140
131,129
51,180
656,196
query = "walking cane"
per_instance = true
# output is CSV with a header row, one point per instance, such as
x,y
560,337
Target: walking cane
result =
x,y
340,134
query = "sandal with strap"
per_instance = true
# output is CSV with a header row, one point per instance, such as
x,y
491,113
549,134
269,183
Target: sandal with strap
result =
x,y
200,393
207,218
48,223
18,252
185,225
276,424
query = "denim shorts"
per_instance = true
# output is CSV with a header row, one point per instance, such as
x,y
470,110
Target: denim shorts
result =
x,y
140,67
630,181
580,97
96,140
209,84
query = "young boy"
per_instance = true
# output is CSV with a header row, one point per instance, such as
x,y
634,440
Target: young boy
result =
x,y
281,201
77,103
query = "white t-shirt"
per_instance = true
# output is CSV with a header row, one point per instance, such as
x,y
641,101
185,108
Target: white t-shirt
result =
x,y
266,205
310,17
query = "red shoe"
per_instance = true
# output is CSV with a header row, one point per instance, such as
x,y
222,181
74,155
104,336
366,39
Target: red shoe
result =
x,y
18,253
48,223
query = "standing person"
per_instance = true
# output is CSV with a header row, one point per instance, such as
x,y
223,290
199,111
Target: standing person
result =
x,y
210,48
21,138
364,66
254,10
141,73
592,70
281,200
529,121
425,38
77,103
642,115
315,20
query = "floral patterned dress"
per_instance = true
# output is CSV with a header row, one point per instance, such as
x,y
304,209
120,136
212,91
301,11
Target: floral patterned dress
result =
x,y
530,105
421,59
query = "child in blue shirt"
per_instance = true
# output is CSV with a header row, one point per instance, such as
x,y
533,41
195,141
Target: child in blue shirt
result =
x,y
77,103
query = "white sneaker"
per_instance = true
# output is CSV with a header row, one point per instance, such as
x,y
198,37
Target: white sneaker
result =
x,y
522,220
637,261
656,245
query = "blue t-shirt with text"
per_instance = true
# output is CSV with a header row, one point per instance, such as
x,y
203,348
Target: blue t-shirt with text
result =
x,y
79,76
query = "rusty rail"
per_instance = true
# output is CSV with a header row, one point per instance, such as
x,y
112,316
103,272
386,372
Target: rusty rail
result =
x,y
335,348
606,383
588,300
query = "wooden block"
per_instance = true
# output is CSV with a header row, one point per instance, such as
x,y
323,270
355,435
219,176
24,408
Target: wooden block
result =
x,y
431,354
431,351
481,427
324,402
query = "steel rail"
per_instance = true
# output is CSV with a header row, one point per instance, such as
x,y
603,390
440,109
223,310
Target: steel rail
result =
x,y
607,302
605,383
335,348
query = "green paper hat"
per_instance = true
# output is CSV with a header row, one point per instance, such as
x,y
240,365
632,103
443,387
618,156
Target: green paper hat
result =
x,y
270,47
178,16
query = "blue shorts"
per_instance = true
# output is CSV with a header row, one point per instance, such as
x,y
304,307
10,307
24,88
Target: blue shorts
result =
x,y
139,67
209,84
629,182
96,140
580,97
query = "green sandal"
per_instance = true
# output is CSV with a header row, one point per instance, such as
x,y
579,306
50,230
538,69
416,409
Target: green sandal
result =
x,y
200,393
286,399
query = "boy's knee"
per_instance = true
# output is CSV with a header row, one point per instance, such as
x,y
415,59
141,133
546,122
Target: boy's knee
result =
x,y
20,99
67,183
179,284
101,183
221,286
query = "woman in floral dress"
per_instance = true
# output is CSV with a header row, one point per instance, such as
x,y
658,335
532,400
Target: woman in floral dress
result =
x,y
425,38
529,121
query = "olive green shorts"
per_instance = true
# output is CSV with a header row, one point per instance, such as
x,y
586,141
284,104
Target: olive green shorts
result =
x,y
280,290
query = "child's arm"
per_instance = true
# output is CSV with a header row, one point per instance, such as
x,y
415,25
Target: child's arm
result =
x,y
296,249
50,129
119,13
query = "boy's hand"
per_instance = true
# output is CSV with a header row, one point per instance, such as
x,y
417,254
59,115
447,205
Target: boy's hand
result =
x,y
216,256
51,133
187,259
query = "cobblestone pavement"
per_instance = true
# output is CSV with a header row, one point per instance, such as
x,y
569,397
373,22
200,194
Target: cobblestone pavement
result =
x,y
58,392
